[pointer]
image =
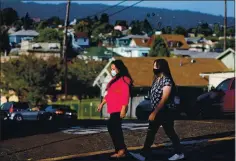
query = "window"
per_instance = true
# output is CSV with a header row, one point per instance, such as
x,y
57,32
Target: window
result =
x,y
85,39
233,85
224,85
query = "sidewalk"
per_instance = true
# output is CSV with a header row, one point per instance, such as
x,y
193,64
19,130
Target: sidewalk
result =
x,y
217,149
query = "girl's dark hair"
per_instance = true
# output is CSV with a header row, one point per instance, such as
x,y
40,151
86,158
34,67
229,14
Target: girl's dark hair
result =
x,y
163,65
123,72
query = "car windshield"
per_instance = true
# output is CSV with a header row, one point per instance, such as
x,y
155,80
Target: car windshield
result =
x,y
224,85
21,105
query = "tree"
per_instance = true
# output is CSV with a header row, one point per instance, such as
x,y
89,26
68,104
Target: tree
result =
x,y
42,25
96,18
28,22
4,41
9,16
104,18
230,31
121,23
54,21
30,77
230,43
159,48
49,35
146,27
204,29
180,30
167,30
216,29
136,28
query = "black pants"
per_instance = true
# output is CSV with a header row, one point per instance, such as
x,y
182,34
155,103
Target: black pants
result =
x,y
115,131
164,118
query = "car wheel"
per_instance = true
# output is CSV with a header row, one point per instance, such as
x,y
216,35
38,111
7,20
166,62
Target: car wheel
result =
x,y
50,118
18,118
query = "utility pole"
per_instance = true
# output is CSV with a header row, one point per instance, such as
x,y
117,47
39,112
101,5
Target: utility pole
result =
x,y
225,25
64,51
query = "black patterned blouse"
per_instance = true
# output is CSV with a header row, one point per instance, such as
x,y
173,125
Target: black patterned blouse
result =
x,y
157,90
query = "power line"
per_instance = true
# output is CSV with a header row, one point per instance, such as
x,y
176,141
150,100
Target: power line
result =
x,y
125,8
108,8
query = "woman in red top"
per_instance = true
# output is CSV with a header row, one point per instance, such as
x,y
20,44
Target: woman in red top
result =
x,y
117,100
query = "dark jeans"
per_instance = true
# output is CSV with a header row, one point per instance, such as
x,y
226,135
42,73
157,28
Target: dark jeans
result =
x,y
115,131
164,118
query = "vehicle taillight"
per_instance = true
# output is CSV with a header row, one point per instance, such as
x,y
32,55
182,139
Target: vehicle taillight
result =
x,y
11,109
59,112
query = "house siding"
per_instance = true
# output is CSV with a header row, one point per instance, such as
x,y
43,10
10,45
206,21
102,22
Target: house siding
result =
x,y
229,61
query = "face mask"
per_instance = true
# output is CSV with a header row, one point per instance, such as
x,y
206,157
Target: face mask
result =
x,y
156,71
113,73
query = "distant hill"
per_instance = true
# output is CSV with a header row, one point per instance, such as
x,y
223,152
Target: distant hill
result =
x,y
184,18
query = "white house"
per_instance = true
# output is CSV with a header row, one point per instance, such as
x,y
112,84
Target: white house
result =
x,y
131,51
228,58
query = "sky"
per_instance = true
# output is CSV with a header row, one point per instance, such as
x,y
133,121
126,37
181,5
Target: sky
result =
x,y
212,7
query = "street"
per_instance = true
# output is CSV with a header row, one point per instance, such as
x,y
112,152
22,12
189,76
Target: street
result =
x,y
89,140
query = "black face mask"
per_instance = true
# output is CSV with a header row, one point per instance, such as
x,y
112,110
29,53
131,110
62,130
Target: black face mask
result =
x,y
156,71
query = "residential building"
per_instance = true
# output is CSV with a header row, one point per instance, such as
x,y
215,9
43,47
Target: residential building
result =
x,y
81,39
185,72
228,58
131,51
195,54
21,35
120,28
43,50
172,41
125,41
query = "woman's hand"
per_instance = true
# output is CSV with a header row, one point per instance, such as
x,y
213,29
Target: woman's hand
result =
x,y
123,112
100,106
152,116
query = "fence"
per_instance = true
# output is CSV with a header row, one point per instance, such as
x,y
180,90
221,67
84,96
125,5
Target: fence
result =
x,y
86,109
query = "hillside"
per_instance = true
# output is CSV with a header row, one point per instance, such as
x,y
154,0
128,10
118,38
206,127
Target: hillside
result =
x,y
183,18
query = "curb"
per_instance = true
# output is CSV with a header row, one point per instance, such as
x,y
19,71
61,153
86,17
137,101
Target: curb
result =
x,y
139,147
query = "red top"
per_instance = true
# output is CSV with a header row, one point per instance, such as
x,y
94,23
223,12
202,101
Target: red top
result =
x,y
118,95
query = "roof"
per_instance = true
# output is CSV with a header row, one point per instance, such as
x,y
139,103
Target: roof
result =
x,y
134,36
25,33
81,35
140,42
226,52
185,75
195,54
170,37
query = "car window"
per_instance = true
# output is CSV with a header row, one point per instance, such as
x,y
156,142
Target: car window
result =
x,y
21,105
224,85
233,85
6,106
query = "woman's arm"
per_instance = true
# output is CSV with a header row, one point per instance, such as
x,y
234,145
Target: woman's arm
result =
x,y
165,97
125,96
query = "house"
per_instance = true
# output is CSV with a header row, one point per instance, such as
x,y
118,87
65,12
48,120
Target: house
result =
x,y
125,41
228,58
131,51
172,41
120,28
195,54
18,36
82,39
216,78
97,54
139,42
43,50
185,72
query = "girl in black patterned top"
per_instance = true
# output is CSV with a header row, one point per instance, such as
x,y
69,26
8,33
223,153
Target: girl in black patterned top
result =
x,y
162,96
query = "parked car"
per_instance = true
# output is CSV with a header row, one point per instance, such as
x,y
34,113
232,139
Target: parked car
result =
x,y
20,111
216,102
59,112
144,109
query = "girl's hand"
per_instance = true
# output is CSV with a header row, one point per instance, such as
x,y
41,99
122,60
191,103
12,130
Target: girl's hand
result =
x,y
100,106
152,116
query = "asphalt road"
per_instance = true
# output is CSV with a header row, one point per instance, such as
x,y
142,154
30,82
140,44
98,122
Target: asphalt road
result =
x,y
42,140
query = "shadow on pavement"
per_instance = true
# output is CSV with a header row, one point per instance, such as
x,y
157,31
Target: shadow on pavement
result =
x,y
219,151
11,129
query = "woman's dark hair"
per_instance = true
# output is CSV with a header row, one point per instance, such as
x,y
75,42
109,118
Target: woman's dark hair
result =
x,y
163,65
123,72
